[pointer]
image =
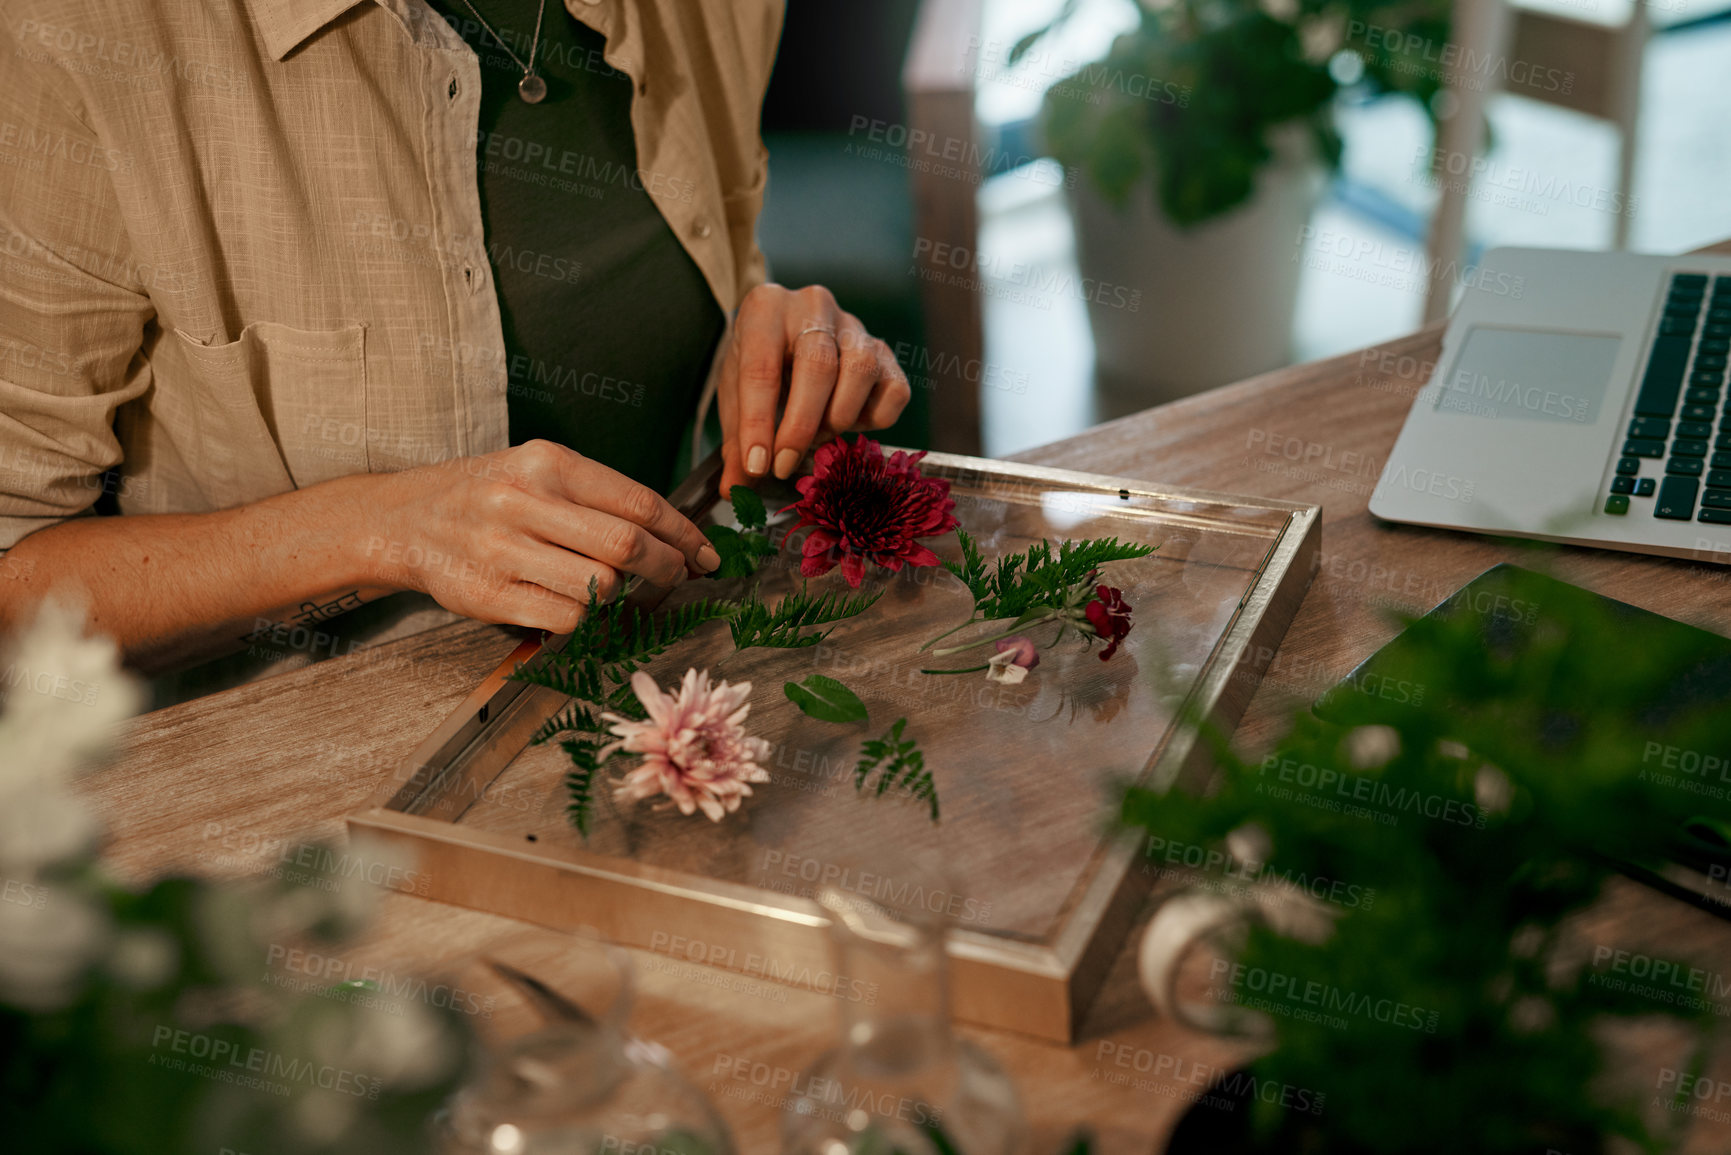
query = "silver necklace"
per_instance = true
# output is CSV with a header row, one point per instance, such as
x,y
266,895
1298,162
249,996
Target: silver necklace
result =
x,y
531,88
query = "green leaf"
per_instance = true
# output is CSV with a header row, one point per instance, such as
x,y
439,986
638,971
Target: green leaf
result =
x,y
902,765
741,548
738,554
826,699
748,508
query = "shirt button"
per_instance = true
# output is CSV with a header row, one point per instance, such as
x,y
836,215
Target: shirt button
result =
x,y
701,228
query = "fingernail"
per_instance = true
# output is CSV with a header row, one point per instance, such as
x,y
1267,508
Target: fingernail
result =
x,y
785,461
708,559
757,460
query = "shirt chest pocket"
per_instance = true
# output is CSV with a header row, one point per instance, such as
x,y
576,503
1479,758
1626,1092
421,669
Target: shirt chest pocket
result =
x,y
278,408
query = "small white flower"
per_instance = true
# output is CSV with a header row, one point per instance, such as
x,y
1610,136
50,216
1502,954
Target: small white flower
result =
x,y
143,958
1250,847
45,950
404,1051
65,696
44,827
1003,668
1372,747
1532,1014
1492,790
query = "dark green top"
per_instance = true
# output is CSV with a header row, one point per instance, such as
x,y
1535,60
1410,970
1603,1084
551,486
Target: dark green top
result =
x,y
609,324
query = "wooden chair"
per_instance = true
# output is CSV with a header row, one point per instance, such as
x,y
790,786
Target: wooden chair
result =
x,y
1602,62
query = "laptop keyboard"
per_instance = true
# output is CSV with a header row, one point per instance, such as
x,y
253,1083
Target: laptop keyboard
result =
x,y
1677,409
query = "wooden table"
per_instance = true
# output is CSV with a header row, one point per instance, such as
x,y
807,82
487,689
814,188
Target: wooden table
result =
x,y
203,785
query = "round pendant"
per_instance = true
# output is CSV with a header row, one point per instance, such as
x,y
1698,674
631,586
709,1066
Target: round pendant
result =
x,y
532,88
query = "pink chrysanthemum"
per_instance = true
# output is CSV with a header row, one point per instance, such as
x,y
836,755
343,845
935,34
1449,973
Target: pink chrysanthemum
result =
x,y
868,507
694,745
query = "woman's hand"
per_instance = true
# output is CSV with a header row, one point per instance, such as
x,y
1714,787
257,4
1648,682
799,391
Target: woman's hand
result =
x,y
517,536
796,351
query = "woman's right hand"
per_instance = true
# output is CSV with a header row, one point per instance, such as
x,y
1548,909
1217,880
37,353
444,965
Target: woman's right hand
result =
x,y
518,535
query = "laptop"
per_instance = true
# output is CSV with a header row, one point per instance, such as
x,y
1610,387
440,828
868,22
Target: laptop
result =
x,y
1579,398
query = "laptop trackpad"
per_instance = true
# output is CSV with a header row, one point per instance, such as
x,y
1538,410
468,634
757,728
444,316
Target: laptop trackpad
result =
x,y
1530,374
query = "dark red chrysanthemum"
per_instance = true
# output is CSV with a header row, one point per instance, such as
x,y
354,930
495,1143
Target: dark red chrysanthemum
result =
x,y
1109,615
863,506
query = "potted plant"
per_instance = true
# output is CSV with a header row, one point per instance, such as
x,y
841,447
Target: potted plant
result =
x,y
1204,138
1453,999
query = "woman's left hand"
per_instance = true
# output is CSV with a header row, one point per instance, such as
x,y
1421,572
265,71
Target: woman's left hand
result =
x,y
796,351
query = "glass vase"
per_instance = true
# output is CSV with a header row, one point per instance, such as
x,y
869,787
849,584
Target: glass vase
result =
x,y
578,1084
899,1081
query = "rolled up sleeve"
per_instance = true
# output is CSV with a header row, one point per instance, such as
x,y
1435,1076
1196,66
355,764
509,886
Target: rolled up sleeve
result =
x,y
73,306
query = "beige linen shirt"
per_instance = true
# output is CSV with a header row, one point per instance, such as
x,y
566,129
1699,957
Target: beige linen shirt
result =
x,y
241,247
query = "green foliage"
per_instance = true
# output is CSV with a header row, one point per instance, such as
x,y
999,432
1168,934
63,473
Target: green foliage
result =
x,y
902,765
1516,780
112,1071
741,549
580,780
826,699
595,666
748,507
782,626
1191,97
594,669
1036,577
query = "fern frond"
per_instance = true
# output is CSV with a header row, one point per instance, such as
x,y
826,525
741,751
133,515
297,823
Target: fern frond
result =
x,y
612,641
972,571
580,780
634,636
900,764
1036,577
574,718
781,626
624,702
575,676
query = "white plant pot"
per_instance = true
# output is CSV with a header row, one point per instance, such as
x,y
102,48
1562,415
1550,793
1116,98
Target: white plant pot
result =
x,y
1216,300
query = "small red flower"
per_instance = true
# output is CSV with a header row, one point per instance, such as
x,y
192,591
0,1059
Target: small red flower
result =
x,y
1109,616
864,506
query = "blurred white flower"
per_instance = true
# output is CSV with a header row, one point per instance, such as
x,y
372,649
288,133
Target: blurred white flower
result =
x,y
1531,1015
143,958
1372,747
1525,943
325,1116
1250,847
43,826
45,949
406,1051
1492,790
65,695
